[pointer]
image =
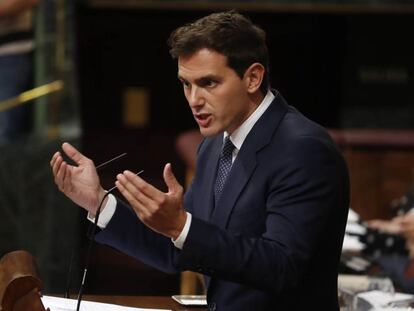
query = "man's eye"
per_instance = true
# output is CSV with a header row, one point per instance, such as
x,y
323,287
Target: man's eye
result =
x,y
210,83
185,84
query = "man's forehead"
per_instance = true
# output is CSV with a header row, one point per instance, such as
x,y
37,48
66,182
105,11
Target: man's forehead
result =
x,y
198,74
202,63
202,57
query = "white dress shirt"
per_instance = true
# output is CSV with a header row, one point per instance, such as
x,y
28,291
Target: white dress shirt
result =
x,y
237,138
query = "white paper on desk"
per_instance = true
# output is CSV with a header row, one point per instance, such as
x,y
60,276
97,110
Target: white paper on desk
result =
x,y
64,304
383,301
352,216
355,228
352,243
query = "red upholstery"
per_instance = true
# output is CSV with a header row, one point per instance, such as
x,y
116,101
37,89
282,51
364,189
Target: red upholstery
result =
x,y
383,138
186,146
187,142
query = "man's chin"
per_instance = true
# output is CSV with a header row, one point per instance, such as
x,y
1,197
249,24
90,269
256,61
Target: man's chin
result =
x,y
208,132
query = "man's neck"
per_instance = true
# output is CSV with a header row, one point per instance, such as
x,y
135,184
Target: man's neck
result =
x,y
241,132
257,98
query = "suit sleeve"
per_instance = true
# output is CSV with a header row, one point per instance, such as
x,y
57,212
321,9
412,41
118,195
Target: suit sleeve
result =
x,y
304,194
129,235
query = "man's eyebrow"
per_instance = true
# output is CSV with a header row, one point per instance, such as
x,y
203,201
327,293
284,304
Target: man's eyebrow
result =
x,y
201,80
207,78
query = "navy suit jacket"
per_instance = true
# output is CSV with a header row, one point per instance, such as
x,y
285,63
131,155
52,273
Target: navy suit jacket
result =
x,y
274,239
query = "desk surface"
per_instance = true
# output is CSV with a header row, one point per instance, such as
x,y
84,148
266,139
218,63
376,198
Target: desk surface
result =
x,y
161,302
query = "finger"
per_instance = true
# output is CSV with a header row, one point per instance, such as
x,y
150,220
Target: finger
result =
x,y
56,165
58,179
60,176
74,154
375,224
134,191
54,158
135,204
67,180
371,222
59,172
170,180
149,190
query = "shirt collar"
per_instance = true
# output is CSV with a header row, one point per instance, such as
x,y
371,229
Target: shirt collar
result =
x,y
240,134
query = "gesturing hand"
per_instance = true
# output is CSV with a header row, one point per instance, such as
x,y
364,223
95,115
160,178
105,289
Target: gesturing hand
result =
x,y
392,226
79,183
162,212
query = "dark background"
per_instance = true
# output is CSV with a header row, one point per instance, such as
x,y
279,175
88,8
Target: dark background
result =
x,y
316,62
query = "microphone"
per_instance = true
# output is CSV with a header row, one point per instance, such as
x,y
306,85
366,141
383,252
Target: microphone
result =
x,y
98,167
110,161
92,240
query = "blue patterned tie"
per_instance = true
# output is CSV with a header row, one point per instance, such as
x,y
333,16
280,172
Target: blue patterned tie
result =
x,y
224,167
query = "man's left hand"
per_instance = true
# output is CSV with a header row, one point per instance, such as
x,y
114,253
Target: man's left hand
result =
x,y
160,211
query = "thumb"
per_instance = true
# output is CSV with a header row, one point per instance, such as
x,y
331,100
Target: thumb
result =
x,y
74,154
170,180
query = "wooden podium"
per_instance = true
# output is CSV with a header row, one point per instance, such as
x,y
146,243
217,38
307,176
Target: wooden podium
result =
x,y
19,283
20,289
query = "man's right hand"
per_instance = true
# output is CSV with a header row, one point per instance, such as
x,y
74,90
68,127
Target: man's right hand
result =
x,y
79,183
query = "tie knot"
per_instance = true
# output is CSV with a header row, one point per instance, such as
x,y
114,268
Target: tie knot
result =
x,y
228,147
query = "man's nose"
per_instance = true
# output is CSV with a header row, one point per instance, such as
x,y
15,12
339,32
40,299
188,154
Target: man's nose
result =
x,y
195,98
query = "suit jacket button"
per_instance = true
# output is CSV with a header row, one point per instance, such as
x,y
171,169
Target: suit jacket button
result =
x,y
212,306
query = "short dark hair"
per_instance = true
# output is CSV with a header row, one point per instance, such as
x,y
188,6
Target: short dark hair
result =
x,y
228,33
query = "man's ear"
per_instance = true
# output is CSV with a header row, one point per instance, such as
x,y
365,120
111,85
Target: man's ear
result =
x,y
253,77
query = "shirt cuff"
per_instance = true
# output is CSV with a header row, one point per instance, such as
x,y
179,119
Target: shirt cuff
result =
x,y
179,242
106,212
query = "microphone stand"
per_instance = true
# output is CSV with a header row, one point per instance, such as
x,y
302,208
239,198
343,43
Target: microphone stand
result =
x,y
98,167
92,240
89,250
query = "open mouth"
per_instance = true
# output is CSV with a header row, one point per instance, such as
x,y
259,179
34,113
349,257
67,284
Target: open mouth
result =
x,y
203,119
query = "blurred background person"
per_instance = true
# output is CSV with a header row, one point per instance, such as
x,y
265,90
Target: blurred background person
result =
x,y
16,64
398,265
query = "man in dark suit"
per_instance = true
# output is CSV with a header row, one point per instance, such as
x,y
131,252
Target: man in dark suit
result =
x,y
265,215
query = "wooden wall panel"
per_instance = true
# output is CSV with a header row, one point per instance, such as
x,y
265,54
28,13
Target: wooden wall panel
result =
x,y
378,177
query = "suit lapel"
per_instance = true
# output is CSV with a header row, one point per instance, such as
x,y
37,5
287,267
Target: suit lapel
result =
x,y
240,173
207,188
246,161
